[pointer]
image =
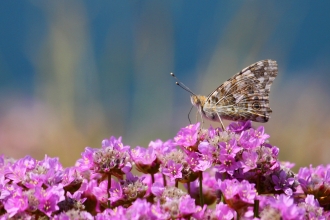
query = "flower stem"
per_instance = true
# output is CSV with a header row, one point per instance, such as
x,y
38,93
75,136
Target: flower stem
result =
x,y
201,196
164,180
152,178
108,190
256,208
256,201
188,187
222,198
258,184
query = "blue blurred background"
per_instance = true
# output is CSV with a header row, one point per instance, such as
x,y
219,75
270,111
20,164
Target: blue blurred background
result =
x,y
75,72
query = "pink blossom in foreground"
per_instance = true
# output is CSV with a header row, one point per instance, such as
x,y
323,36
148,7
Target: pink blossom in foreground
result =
x,y
228,174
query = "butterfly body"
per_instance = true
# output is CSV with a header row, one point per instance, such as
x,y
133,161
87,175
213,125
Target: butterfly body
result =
x,y
245,96
199,102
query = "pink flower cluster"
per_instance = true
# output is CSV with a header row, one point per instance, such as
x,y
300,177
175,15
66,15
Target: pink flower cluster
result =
x,y
231,174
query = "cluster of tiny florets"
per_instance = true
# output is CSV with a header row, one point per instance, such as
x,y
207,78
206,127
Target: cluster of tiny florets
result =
x,y
199,174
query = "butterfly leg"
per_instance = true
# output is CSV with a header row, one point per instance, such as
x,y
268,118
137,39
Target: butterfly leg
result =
x,y
222,126
201,118
202,122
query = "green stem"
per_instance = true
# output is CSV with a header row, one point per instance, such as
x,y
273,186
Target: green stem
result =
x,y
256,208
109,187
164,180
256,201
188,187
152,178
201,196
223,198
258,184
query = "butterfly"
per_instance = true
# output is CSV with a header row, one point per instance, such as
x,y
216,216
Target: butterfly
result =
x,y
243,97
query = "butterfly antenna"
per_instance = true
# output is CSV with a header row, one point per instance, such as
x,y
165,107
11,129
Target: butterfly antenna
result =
x,y
183,86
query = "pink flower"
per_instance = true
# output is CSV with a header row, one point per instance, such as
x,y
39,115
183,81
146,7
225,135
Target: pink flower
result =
x,y
187,136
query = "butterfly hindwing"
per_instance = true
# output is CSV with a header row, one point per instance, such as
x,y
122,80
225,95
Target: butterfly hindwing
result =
x,y
245,96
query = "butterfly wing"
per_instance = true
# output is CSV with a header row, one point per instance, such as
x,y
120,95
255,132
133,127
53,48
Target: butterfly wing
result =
x,y
245,96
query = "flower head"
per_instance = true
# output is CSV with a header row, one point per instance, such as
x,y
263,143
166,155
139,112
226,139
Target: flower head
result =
x,y
222,211
181,166
173,170
112,159
283,182
281,206
145,159
316,181
49,198
187,136
140,209
240,126
16,204
132,188
237,194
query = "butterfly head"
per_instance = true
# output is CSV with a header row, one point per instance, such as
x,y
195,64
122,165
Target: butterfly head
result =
x,y
198,101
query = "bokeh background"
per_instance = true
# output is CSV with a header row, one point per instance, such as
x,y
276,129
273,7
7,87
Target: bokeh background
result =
x,y
75,72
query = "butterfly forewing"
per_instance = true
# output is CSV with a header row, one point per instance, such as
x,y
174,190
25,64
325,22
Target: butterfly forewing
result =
x,y
245,96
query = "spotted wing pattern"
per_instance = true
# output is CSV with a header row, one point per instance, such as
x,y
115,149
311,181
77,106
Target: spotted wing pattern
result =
x,y
245,96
